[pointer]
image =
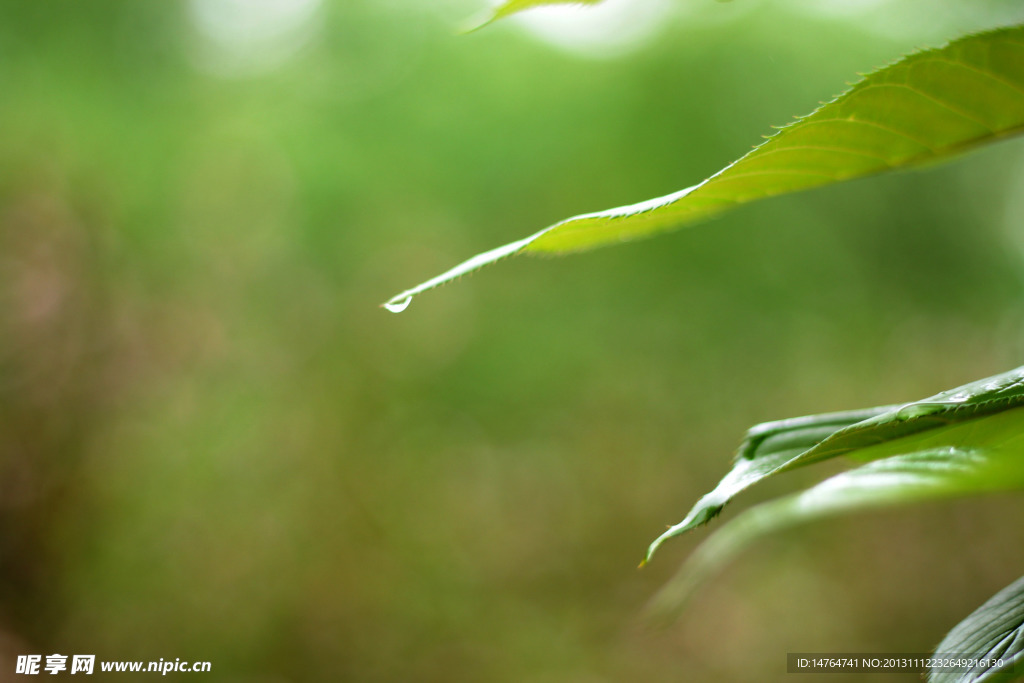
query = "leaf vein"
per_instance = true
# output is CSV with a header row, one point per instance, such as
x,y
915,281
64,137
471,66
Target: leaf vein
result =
x,y
874,124
932,98
824,148
1017,88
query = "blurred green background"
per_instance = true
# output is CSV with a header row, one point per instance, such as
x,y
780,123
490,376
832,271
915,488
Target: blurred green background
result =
x,y
215,446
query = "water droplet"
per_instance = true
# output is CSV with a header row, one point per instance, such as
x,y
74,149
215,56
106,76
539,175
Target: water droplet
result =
x,y
915,410
398,306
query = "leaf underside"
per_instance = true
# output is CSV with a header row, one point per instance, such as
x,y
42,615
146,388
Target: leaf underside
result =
x,y
869,434
924,107
981,456
994,631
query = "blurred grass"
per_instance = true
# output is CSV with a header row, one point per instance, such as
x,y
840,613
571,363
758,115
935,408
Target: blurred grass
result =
x,y
216,447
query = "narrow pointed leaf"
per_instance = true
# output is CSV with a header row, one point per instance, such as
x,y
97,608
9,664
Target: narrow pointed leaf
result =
x,y
995,631
510,7
984,455
924,107
766,449
863,435
982,397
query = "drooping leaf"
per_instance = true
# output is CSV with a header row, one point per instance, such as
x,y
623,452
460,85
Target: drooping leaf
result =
x,y
982,455
785,445
510,7
766,449
994,631
924,107
982,397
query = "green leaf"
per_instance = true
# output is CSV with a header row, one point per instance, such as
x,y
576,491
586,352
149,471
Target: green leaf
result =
x,y
922,108
766,449
981,455
510,7
869,434
993,631
982,397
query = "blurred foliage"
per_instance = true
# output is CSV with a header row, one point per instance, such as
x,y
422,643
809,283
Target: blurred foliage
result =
x,y
214,446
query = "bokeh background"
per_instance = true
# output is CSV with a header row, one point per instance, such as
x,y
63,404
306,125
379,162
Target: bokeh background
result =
x,y
214,445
